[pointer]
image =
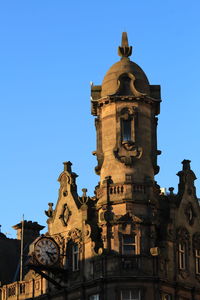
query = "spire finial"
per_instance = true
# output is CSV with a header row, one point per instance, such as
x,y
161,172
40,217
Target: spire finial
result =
x,y
125,50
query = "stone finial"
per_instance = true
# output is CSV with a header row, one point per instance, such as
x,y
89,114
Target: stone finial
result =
x,y
50,211
186,164
125,50
171,190
67,166
84,192
84,198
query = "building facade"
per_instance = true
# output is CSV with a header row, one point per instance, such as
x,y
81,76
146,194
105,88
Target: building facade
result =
x,y
130,241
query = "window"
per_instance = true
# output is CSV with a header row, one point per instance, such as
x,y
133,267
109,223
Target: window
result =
x,y
126,130
130,244
133,294
94,297
75,257
197,261
182,255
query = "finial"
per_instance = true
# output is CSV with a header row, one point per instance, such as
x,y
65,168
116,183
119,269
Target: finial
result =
x,y
125,50
84,192
171,190
67,166
84,198
186,164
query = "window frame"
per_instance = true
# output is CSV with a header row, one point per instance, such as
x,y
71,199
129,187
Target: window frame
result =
x,y
197,261
135,244
126,129
130,296
182,259
93,295
75,257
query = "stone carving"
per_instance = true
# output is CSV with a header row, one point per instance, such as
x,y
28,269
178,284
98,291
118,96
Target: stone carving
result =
x,y
64,217
84,198
49,213
74,235
61,243
182,234
125,50
190,214
126,149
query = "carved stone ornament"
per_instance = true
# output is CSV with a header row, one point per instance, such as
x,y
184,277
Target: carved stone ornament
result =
x,y
184,273
87,231
84,198
64,217
182,234
64,180
50,212
190,214
74,235
128,153
61,243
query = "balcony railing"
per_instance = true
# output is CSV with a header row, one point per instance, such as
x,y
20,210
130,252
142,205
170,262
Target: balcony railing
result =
x,y
20,290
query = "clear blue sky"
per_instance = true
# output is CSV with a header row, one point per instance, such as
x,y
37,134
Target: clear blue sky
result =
x,y
49,52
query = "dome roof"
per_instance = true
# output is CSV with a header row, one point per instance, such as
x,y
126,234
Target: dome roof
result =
x,y
110,83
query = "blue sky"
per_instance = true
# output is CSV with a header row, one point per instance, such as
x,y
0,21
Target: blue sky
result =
x,y
49,53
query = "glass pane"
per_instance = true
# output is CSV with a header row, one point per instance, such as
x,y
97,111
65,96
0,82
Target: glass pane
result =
x,y
94,297
129,249
129,239
75,248
133,294
126,130
125,295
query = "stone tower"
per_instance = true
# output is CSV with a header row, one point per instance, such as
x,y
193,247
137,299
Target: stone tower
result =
x,y
126,108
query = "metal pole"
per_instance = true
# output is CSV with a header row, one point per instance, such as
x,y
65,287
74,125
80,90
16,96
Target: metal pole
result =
x,y
22,248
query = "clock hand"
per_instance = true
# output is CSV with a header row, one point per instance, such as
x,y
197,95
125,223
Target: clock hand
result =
x,y
50,255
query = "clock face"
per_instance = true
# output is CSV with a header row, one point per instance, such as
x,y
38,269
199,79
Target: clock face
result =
x,y
46,251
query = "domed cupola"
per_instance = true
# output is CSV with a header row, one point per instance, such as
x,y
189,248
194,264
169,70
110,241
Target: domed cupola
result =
x,y
126,108
125,77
